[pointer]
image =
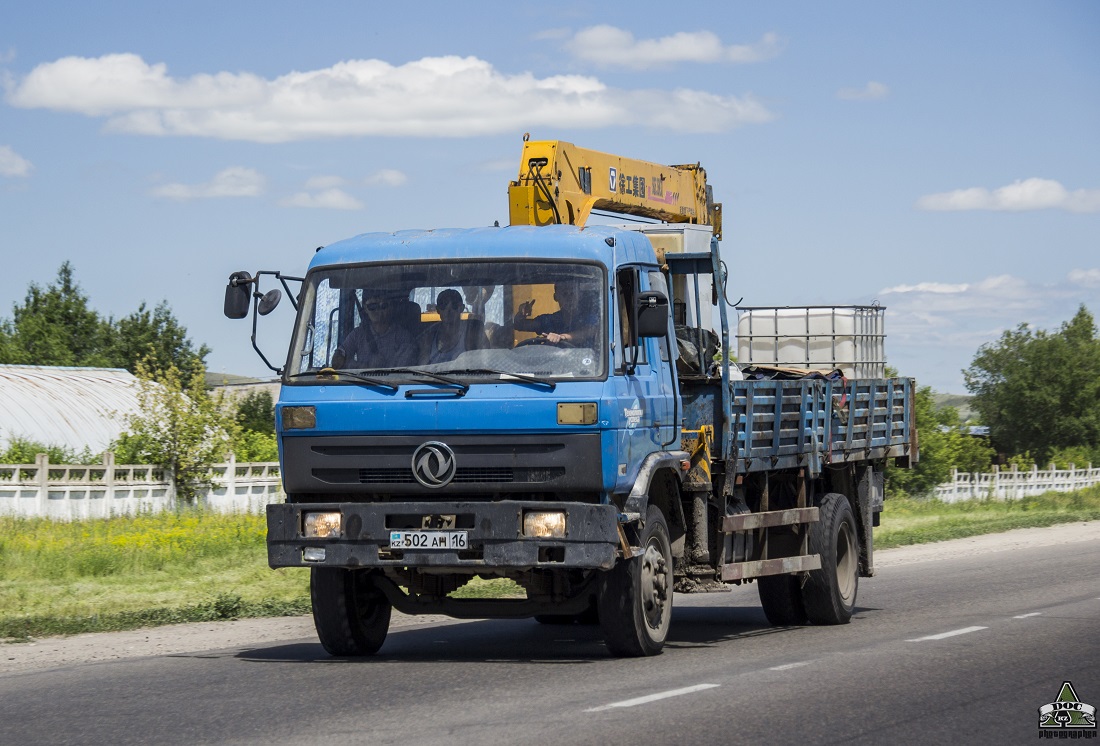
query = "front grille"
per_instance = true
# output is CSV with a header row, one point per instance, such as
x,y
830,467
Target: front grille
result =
x,y
486,464
462,476
385,476
469,475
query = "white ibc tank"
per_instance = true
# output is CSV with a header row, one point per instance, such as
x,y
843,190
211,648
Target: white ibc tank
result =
x,y
815,337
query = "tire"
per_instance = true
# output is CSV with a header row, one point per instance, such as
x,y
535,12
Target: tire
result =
x,y
830,593
634,600
351,614
781,597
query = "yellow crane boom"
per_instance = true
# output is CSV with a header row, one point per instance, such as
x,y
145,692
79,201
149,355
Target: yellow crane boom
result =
x,y
561,183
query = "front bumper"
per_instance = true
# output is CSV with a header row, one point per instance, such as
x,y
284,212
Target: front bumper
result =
x,y
495,531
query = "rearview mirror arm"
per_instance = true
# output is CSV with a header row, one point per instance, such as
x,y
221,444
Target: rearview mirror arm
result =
x,y
293,296
256,295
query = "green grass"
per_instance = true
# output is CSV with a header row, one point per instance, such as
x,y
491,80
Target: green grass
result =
x,y
100,575
912,521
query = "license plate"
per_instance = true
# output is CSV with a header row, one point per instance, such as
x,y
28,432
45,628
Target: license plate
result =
x,y
429,540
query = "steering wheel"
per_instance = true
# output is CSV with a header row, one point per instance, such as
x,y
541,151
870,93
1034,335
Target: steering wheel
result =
x,y
541,340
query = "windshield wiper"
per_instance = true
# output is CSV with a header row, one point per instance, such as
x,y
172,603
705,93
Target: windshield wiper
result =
x,y
504,374
333,373
427,374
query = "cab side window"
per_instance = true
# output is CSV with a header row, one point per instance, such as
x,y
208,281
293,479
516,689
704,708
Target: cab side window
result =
x,y
627,346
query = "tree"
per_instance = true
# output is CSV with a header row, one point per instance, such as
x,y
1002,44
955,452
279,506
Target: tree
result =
x,y
1040,391
256,411
157,339
944,445
178,427
254,435
55,326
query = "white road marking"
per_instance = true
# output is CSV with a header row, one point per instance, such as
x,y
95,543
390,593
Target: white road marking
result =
x,y
653,697
943,635
789,666
1025,616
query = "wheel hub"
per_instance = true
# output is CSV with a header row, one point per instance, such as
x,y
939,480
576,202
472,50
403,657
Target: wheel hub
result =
x,y
654,585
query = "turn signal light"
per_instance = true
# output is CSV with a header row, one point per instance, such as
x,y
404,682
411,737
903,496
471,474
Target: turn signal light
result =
x,y
299,418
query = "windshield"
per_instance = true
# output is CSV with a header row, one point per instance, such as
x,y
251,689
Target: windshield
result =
x,y
461,318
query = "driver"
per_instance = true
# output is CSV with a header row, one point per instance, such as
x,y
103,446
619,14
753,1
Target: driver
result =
x,y
574,323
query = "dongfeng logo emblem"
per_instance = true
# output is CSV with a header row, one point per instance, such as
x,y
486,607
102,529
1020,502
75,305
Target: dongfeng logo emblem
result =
x,y
433,464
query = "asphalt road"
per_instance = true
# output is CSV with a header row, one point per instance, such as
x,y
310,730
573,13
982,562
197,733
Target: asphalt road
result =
x,y
962,649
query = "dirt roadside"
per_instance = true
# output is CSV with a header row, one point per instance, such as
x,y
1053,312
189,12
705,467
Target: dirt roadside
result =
x,y
56,652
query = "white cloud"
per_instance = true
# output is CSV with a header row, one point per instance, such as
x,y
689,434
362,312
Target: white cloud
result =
x,y
1089,278
615,47
236,181
929,314
934,328
1021,195
329,199
13,164
873,91
430,97
928,287
387,177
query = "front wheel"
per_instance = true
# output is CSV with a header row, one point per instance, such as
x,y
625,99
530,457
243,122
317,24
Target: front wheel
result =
x,y
830,593
351,614
635,597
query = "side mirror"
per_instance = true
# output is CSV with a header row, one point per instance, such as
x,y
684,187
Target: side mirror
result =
x,y
269,301
652,314
238,293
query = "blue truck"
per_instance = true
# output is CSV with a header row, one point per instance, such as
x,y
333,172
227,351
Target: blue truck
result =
x,y
584,433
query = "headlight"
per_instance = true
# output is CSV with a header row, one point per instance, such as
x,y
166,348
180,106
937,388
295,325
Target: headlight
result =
x,y
321,525
299,418
544,524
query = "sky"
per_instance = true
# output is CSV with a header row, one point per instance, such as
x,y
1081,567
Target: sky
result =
x,y
939,158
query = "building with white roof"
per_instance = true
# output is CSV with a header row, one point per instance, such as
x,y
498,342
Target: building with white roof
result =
x,y
75,408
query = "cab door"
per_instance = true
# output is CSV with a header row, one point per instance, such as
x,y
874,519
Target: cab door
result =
x,y
643,387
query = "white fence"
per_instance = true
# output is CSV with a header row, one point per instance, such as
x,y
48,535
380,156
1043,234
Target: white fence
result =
x,y
67,492
1012,484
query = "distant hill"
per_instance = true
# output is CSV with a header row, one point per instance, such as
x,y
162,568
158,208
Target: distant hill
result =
x,y
961,402
237,386
228,379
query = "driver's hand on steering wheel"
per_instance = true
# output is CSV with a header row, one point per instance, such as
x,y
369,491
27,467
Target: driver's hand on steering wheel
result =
x,y
554,337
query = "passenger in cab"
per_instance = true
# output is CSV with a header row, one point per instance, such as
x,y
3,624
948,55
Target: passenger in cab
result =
x,y
452,335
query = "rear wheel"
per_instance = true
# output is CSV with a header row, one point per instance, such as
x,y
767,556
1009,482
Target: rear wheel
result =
x,y
351,614
830,593
781,597
635,597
